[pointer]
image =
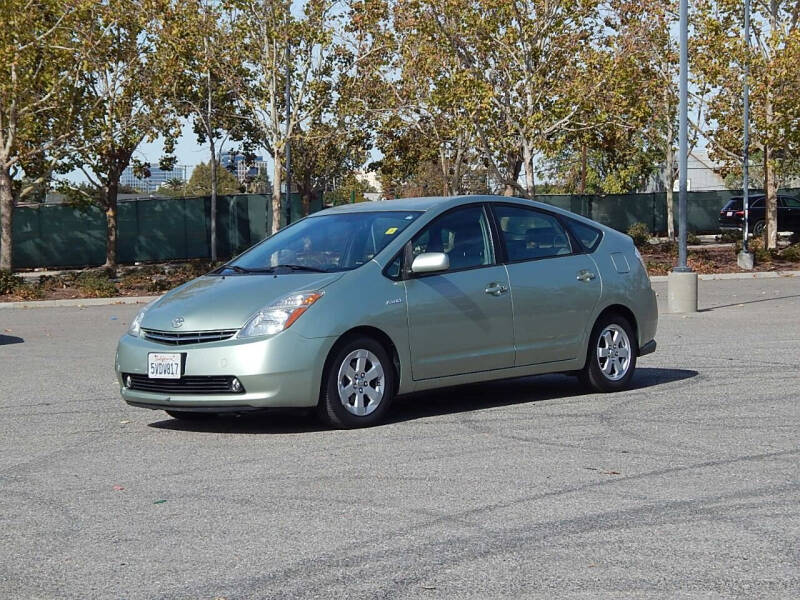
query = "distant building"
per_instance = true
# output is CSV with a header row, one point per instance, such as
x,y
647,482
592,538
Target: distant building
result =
x,y
236,164
158,177
703,175
372,180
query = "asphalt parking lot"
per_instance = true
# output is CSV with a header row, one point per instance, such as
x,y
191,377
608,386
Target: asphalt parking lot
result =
x,y
686,486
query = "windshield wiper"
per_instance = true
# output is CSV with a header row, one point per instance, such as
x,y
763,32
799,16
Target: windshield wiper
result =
x,y
238,269
298,268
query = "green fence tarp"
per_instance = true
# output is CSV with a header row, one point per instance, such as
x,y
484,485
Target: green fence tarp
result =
x,y
179,228
623,210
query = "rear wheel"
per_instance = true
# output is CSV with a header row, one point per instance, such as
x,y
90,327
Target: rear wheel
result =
x,y
758,228
358,386
185,415
611,358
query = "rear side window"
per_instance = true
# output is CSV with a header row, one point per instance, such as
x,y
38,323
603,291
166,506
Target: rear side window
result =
x,y
588,236
530,234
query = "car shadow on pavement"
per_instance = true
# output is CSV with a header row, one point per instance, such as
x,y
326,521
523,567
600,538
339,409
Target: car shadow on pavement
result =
x,y
524,390
453,400
6,340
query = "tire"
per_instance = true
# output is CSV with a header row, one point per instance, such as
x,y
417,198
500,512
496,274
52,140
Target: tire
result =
x,y
612,334
758,228
185,415
358,385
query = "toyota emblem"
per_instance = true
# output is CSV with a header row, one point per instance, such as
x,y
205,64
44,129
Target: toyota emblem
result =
x,y
177,322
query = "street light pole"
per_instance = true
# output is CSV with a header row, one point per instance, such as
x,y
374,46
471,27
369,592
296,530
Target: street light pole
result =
x,y
682,282
745,258
288,143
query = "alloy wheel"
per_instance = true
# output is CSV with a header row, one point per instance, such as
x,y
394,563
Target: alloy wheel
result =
x,y
361,382
613,352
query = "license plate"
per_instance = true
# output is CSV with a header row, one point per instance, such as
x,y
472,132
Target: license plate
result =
x,y
162,365
730,213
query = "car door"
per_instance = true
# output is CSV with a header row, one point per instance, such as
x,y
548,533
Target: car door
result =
x,y
554,285
460,320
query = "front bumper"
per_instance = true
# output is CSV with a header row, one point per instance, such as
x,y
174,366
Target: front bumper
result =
x,y
281,371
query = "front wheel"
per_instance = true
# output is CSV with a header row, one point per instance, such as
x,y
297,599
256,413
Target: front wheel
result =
x,y
359,385
611,358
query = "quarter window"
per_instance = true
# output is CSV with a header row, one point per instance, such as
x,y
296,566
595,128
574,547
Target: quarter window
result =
x,y
586,235
530,234
462,234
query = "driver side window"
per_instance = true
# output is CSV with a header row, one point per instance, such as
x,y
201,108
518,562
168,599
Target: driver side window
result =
x,y
462,234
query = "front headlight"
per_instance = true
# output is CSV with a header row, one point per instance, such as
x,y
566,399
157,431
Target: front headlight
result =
x,y
279,315
135,327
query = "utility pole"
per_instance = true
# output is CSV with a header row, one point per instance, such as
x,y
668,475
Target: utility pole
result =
x,y
682,282
745,258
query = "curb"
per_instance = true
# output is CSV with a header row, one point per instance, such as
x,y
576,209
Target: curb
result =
x,y
79,302
719,276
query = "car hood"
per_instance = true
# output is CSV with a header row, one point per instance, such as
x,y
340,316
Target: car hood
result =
x,y
215,302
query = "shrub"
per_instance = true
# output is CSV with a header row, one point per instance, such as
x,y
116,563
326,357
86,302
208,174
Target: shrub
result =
x,y
28,291
729,237
9,282
640,234
691,238
757,246
791,253
96,284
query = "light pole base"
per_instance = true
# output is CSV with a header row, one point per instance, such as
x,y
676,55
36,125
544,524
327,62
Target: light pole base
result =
x,y
682,292
745,260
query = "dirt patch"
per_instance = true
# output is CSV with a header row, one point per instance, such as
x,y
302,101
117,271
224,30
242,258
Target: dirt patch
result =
x,y
144,280
661,258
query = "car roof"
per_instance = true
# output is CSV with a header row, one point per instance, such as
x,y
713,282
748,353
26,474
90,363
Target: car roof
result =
x,y
424,204
442,203
401,204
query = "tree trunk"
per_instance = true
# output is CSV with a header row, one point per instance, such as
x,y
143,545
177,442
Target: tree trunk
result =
x,y
6,219
276,194
213,218
444,168
584,160
669,183
516,166
306,195
111,221
530,188
771,201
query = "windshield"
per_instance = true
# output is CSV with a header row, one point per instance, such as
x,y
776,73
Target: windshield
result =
x,y
328,243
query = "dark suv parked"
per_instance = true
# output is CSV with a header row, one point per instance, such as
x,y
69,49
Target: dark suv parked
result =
x,y
732,215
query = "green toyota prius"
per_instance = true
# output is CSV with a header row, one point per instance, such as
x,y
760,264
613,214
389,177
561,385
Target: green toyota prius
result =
x,y
351,306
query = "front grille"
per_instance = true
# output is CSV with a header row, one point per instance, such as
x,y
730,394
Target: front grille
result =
x,y
188,337
192,384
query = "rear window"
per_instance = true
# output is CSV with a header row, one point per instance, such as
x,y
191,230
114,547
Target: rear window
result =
x,y
736,203
588,236
733,204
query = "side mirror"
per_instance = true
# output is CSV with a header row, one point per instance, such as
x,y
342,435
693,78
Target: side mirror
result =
x,y
430,262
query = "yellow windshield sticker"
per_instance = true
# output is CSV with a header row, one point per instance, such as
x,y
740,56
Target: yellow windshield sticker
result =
x,y
391,231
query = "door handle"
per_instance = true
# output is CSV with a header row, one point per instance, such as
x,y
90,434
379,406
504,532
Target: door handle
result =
x,y
586,275
495,289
